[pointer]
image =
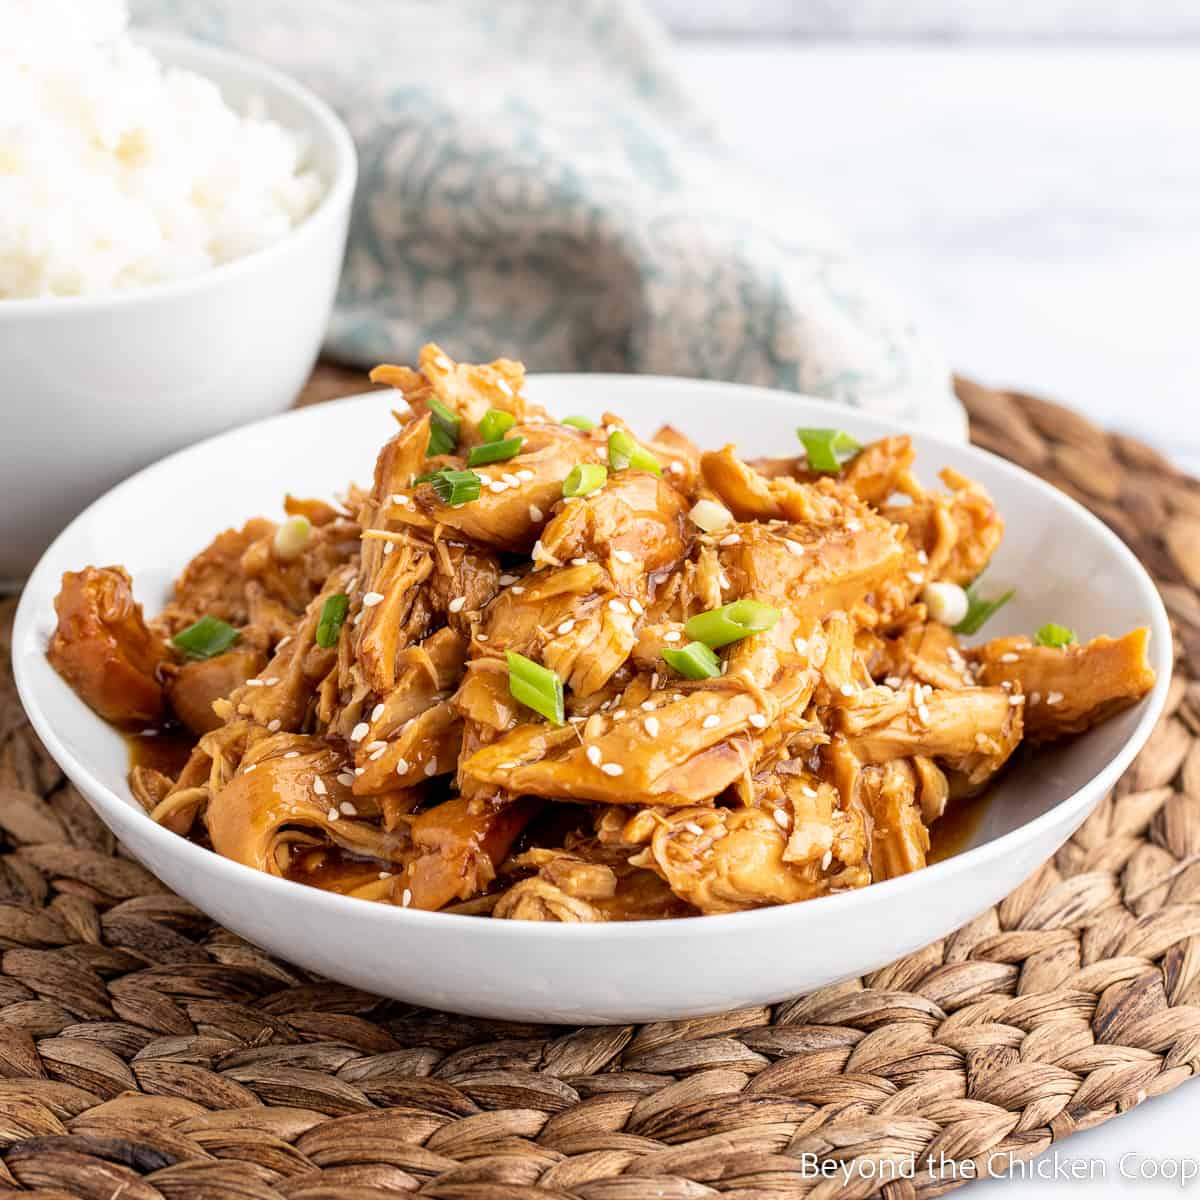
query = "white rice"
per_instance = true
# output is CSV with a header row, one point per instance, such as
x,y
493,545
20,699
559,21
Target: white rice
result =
x,y
116,172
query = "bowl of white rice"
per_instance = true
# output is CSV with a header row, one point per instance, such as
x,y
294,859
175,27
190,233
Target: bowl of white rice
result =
x,y
172,224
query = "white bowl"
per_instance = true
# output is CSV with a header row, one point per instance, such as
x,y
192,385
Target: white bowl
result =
x,y
1066,565
96,387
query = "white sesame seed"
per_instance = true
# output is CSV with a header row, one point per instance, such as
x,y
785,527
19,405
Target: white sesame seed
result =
x,y
377,712
853,525
497,486
375,755
505,580
273,725
781,818
675,467
359,771
1054,697
650,725
271,681
504,386
525,474
795,547
636,608
826,859
360,731
457,604
893,681
810,792
617,606
1007,658
566,626
619,714
676,695
579,562
757,720
345,779
847,689
440,360
385,874
376,745
406,898
711,721
371,599
730,539
401,499
431,767
693,828
981,738
512,481
623,556
915,577
1006,684
653,680
292,754
923,713
800,646
481,637
1016,701
388,547
538,550
535,513
922,558
517,590
319,787
256,683
251,767
593,755
402,767
347,809
672,635
613,769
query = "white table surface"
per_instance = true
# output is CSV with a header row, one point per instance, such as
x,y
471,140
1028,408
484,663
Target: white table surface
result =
x,y
1039,206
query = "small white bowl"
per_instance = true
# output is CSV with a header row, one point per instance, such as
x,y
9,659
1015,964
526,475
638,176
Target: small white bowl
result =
x,y
1065,564
96,387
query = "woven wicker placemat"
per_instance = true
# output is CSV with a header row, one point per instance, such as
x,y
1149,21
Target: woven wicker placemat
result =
x,y
148,1054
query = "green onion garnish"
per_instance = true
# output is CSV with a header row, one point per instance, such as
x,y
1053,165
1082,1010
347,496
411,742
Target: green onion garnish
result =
x,y
583,424
827,449
1056,636
443,430
535,687
730,623
979,610
693,661
624,451
584,479
495,424
493,452
206,638
333,615
456,488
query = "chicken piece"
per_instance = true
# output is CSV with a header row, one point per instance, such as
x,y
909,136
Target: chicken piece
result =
x,y
899,839
457,846
383,630
721,860
196,686
296,669
463,583
811,570
1071,689
467,390
957,534
103,649
971,731
929,652
274,805
537,899
880,469
417,733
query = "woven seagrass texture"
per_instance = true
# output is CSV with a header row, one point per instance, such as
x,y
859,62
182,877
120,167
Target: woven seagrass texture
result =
x,y
147,1053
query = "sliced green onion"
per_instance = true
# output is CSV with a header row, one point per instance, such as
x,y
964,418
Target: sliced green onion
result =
x,y
495,424
585,479
624,452
291,537
493,452
693,661
1056,636
535,686
206,638
443,430
456,488
333,615
583,424
979,610
730,623
827,448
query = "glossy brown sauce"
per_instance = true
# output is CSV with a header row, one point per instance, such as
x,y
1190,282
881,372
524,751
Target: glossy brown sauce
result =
x,y
953,832
166,748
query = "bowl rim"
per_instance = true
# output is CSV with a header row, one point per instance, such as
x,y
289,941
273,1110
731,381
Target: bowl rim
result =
x,y
199,56
774,918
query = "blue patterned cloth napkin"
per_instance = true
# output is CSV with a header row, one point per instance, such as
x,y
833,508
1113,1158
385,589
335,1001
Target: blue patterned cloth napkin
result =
x,y
537,183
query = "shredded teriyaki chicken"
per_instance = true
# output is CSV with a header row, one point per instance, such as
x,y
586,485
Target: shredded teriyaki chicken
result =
x,y
542,670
